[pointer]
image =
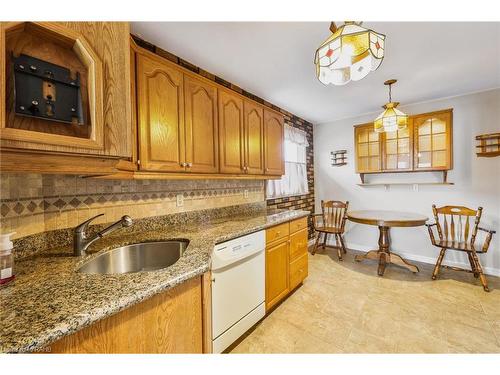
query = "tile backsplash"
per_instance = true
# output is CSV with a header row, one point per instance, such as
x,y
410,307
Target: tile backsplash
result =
x,y
34,203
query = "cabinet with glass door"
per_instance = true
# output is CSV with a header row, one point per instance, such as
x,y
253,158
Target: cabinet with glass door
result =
x,y
433,141
368,149
426,144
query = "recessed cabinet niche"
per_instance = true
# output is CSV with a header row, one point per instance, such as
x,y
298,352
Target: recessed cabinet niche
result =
x,y
425,145
98,52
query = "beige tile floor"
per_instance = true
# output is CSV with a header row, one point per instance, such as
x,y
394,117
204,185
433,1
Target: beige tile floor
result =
x,y
344,307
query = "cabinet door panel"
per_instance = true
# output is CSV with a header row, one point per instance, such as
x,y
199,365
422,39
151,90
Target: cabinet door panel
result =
x,y
254,138
276,273
200,100
231,133
161,115
433,141
368,149
273,143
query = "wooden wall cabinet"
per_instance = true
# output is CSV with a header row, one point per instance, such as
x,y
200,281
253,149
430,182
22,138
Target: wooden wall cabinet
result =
x,y
425,145
200,126
169,322
177,118
110,133
286,259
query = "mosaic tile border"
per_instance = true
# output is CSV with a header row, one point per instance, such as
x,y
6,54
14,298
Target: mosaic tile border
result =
x,y
28,206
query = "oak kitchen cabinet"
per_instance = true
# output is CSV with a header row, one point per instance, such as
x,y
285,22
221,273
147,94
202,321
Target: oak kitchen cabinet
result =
x,y
30,144
177,118
187,123
286,259
169,322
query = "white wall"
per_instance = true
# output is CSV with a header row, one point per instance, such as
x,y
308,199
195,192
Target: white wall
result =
x,y
477,180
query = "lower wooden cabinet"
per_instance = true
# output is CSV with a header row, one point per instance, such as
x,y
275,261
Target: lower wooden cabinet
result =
x,y
170,322
286,259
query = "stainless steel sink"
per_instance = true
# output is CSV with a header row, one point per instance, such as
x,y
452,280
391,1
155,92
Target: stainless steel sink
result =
x,y
146,256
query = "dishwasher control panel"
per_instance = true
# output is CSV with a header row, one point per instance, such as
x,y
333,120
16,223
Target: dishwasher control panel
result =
x,y
231,251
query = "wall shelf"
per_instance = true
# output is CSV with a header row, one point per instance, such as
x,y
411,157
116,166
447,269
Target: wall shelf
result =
x,y
338,158
489,145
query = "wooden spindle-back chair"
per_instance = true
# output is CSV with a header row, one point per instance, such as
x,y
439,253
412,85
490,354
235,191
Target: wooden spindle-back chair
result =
x,y
331,221
457,228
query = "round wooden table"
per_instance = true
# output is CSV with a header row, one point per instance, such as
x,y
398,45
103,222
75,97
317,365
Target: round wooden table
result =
x,y
385,220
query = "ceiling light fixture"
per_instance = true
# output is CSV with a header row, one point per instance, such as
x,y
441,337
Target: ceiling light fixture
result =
x,y
391,119
350,53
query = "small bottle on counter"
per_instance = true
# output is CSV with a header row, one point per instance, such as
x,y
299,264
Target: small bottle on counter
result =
x,y
6,259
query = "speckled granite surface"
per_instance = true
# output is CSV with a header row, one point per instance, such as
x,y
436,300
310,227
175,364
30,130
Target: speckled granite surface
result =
x,y
49,300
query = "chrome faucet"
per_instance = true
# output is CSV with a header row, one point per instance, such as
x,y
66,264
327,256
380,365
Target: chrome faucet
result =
x,y
80,240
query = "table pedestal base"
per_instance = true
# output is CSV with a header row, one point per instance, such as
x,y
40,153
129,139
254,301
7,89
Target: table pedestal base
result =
x,y
384,255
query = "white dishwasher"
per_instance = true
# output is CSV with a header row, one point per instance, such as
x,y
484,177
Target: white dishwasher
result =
x,y
238,288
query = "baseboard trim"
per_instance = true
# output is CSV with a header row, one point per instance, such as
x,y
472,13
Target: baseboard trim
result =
x,y
417,258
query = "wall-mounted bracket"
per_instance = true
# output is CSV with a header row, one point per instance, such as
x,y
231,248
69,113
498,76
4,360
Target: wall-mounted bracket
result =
x,y
46,90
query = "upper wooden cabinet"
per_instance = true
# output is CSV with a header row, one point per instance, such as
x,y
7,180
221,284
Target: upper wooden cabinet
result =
x,y
202,143
160,95
254,138
99,52
187,123
274,163
425,145
231,133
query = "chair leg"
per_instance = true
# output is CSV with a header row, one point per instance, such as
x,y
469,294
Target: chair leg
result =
x,y
339,248
324,241
473,265
342,243
479,269
316,243
438,264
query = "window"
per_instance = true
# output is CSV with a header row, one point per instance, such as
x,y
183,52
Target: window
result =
x,y
294,181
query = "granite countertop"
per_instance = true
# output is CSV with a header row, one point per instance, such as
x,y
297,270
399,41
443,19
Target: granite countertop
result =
x,y
49,300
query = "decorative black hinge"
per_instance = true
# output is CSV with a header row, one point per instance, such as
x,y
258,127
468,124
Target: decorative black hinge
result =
x,y
46,90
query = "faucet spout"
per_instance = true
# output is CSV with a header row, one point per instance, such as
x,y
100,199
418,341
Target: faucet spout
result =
x,y
80,240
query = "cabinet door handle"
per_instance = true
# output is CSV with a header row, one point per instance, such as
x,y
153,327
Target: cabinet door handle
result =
x,y
189,165
183,164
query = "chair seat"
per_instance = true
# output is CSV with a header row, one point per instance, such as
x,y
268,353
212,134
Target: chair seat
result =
x,y
455,245
328,229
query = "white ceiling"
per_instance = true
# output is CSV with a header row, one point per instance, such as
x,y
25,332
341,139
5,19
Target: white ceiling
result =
x,y
274,60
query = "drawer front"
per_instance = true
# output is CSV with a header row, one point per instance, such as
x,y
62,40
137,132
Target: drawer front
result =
x,y
277,233
298,224
298,244
298,271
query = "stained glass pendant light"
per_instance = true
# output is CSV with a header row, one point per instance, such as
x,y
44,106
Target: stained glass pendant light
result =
x,y
350,53
391,119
